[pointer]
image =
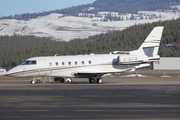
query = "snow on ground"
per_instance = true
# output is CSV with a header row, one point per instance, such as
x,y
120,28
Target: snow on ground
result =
x,y
57,27
176,6
134,75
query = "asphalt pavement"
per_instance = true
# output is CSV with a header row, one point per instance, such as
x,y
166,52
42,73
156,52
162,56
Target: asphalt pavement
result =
x,y
117,98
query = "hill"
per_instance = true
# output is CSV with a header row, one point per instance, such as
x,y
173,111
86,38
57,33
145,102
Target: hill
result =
x,y
120,6
57,27
81,21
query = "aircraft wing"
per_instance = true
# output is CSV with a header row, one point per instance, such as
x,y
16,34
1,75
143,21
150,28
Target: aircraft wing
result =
x,y
102,73
97,73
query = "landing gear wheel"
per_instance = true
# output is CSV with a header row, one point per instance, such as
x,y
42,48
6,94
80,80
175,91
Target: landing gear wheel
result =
x,y
99,81
33,82
61,80
95,80
92,80
38,81
69,80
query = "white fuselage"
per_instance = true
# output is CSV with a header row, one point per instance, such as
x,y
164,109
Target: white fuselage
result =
x,y
68,66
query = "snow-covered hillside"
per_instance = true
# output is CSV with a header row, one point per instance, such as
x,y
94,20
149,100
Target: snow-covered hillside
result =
x,y
58,27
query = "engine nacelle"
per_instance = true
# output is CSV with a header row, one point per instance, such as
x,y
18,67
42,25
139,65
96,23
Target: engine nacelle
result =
x,y
131,59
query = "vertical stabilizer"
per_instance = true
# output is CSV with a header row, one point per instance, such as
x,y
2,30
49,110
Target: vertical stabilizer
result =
x,y
151,44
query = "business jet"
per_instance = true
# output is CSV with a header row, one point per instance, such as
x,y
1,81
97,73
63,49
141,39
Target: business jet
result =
x,y
93,66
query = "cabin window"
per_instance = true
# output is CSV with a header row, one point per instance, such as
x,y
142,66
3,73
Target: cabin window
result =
x,y
33,62
63,63
69,63
29,62
83,62
90,62
50,63
56,63
76,62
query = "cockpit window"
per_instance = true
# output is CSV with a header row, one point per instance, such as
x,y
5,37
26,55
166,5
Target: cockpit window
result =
x,y
29,62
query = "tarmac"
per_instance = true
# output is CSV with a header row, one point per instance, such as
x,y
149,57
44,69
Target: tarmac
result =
x,y
119,97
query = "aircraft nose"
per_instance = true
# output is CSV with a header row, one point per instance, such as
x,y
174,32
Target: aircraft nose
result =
x,y
8,73
13,72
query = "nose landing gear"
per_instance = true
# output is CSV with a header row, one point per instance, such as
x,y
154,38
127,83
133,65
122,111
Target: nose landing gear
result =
x,y
35,80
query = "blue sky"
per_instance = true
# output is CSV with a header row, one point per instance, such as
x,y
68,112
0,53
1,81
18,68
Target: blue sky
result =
x,y
12,7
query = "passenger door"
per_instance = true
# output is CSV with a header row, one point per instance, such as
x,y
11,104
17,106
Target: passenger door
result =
x,y
42,67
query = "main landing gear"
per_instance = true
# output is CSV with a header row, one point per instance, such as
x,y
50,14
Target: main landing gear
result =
x,y
96,80
69,80
62,80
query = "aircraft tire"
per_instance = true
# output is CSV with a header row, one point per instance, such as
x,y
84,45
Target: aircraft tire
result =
x,y
92,80
69,80
33,82
38,81
61,80
100,81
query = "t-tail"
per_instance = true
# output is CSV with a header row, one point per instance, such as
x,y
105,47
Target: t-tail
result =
x,y
150,46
